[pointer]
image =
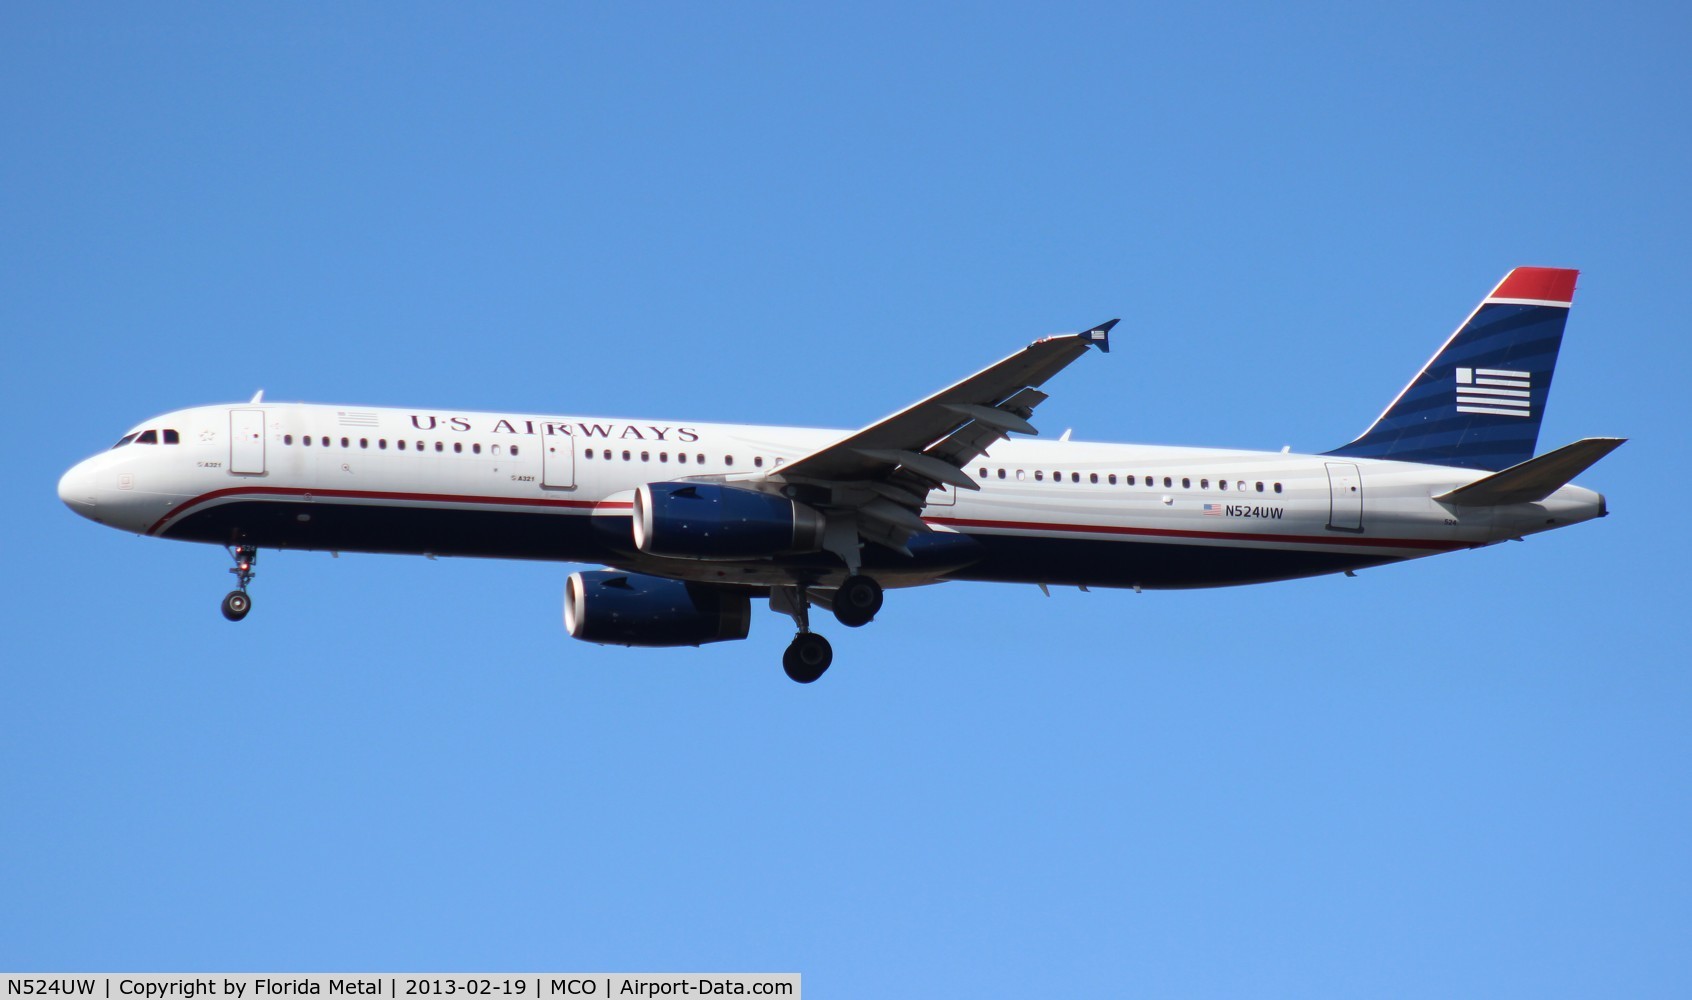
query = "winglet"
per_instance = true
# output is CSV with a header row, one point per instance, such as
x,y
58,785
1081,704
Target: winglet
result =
x,y
1099,336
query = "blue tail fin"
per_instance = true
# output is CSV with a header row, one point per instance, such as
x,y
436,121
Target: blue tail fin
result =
x,y
1478,403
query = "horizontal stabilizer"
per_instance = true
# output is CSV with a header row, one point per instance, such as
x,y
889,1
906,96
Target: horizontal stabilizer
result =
x,y
1536,478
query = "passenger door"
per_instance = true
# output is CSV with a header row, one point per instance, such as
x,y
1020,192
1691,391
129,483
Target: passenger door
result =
x,y
246,442
1345,497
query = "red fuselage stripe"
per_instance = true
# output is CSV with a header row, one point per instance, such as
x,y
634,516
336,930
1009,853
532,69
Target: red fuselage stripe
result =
x,y
260,492
956,522
1226,536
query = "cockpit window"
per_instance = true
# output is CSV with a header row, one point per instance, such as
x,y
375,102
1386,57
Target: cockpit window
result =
x,y
148,437
171,437
126,439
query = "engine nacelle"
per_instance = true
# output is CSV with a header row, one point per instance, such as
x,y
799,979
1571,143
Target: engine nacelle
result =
x,y
631,609
711,521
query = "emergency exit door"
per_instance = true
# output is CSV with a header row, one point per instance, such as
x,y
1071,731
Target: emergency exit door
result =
x,y
558,462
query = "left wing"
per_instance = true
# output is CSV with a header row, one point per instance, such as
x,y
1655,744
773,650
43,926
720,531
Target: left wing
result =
x,y
884,473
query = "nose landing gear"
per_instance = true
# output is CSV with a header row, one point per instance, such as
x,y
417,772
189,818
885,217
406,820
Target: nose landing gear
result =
x,y
237,603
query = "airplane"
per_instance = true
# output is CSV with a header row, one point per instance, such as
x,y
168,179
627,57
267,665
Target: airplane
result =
x,y
695,521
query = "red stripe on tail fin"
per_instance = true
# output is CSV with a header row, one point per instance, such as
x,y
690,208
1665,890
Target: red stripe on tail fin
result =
x,y
1543,284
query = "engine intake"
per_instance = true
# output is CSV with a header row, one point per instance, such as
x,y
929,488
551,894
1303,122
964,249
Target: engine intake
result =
x,y
711,521
632,609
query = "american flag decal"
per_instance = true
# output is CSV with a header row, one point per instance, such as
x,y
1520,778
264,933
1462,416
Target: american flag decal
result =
x,y
1495,391
1213,510
357,418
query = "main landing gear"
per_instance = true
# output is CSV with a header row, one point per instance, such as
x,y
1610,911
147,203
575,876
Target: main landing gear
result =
x,y
857,601
236,603
809,655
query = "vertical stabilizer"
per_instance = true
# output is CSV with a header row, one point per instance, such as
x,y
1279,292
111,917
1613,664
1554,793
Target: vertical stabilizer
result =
x,y
1479,402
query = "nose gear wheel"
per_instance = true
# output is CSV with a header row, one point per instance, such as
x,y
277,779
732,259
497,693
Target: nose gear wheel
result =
x,y
237,602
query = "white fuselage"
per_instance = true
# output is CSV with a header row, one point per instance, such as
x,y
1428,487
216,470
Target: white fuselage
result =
x,y
291,475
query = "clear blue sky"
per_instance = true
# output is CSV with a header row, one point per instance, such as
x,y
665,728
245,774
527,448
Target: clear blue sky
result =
x,y
1463,776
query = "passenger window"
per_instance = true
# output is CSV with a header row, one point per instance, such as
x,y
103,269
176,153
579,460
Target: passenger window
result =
x,y
324,441
1277,487
1240,485
1039,476
983,472
382,444
1204,484
1127,480
305,439
625,456
476,448
440,446
514,451
1001,473
1057,477
171,437
728,460
681,457
700,459
401,445
1168,482
495,449
1260,487
1019,475
345,443
287,439
663,456
364,442
1186,483
458,447
1075,477
1222,484
646,456
758,461
1093,478
1113,479
419,446
606,454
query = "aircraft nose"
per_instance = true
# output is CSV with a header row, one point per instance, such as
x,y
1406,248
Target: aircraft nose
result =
x,y
76,488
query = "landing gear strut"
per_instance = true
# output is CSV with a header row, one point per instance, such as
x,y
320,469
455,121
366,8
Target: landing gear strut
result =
x,y
236,603
809,654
